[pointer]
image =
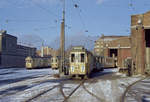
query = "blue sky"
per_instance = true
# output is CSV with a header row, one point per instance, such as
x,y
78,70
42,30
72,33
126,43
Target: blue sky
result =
x,y
41,18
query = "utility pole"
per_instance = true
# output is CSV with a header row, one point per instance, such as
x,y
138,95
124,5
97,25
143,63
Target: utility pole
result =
x,y
62,43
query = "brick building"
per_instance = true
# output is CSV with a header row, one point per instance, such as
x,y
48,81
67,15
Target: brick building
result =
x,y
140,41
12,54
102,42
120,49
114,46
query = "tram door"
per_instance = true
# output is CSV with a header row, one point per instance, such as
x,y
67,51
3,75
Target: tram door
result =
x,y
147,39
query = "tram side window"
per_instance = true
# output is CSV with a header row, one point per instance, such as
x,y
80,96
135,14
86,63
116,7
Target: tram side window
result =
x,y
72,57
82,57
55,60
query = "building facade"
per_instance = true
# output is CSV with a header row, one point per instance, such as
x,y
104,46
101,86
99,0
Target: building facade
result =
x,y
12,54
46,51
140,41
102,43
118,47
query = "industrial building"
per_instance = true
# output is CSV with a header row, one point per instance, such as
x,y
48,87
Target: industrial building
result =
x,y
12,54
118,47
140,43
102,43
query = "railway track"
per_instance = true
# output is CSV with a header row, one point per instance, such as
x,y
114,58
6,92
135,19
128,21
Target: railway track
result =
x,y
66,94
92,80
66,98
92,94
60,86
41,93
128,88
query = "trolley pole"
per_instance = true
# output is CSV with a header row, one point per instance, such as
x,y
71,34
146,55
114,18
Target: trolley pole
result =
x,y
62,43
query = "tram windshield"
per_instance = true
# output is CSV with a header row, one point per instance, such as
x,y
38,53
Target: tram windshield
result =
x,y
78,57
28,61
72,57
82,57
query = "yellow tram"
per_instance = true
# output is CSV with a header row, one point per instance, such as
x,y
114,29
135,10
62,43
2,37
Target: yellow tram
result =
x,y
55,62
37,62
81,62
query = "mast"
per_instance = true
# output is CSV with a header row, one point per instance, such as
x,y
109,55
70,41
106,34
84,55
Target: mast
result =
x,y
62,42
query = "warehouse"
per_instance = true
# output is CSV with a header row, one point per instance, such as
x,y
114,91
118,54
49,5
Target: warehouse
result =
x,y
12,54
118,47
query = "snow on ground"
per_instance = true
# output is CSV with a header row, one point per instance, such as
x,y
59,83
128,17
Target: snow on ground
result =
x,y
109,89
20,85
139,92
14,73
26,94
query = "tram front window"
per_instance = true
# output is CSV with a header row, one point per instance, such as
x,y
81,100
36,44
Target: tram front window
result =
x,y
29,61
55,60
72,57
82,57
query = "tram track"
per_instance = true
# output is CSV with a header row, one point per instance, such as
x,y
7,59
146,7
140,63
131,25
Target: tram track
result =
x,y
60,86
128,88
72,92
67,94
41,93
37,96
92,94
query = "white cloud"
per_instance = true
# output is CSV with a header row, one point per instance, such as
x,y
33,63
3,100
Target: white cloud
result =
x,y
100,1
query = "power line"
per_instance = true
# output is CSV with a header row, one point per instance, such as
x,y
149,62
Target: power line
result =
x,y
41,7
79,13
24,20
48,11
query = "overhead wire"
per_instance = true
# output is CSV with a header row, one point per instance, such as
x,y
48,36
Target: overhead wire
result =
x,y
43,8
38,5
79,13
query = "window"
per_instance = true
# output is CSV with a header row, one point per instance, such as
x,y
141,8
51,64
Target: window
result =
x,y
82,57
56,60
72,57
28,61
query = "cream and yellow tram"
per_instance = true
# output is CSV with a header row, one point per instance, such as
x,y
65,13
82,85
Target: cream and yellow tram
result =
x,y
55,62
37,62
81,62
